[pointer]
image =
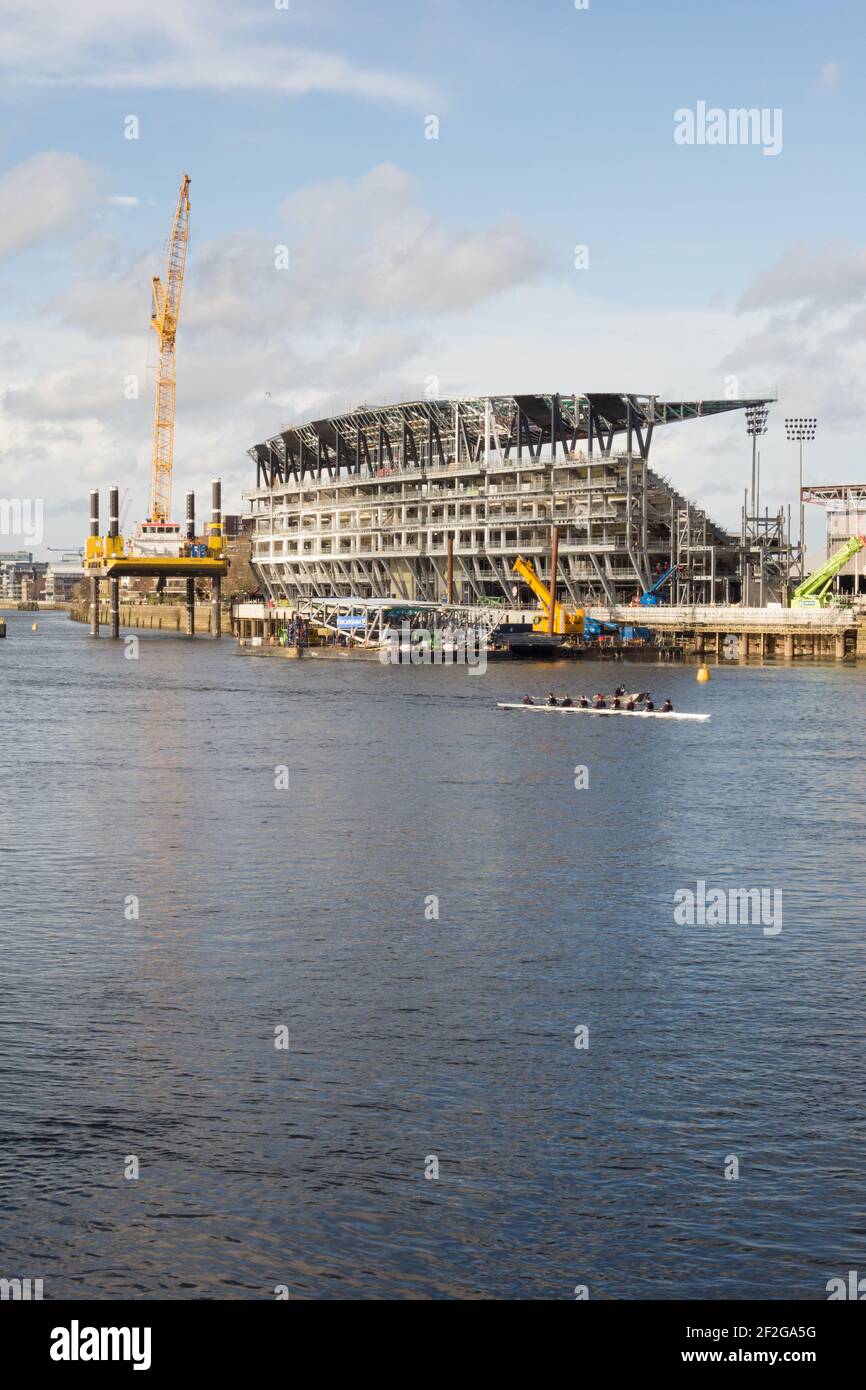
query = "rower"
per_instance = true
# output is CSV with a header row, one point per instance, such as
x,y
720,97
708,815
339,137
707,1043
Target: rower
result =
x,y
630,704
567,702
599,702
551,699
667,708
649,706
620,690
528,700
615,704
583,702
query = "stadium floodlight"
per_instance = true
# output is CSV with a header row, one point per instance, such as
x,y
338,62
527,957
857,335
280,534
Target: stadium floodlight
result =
x,y
801,427
801,430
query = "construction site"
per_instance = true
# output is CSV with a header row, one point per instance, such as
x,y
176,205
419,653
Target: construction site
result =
x,y
534,522
373,503
537,518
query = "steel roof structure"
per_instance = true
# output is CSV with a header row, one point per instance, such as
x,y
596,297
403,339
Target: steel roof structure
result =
x,y
436,433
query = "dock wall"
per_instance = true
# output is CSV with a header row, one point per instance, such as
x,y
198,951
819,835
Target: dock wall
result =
x,y
167,617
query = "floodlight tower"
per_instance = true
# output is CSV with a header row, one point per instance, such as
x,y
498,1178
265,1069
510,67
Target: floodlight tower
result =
x,y
756,424
801,429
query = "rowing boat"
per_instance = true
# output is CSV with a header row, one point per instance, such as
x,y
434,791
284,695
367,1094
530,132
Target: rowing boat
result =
x,y
629,713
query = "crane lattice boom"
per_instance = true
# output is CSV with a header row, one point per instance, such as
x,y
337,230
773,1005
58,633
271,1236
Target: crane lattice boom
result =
x,y
163,319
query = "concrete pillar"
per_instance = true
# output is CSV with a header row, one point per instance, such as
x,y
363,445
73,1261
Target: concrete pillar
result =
x,y
840,647
789,646
190,583
450,589
216,517
744,646
699,644
94,582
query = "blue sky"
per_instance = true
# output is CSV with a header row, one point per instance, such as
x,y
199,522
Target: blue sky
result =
x,y
412,257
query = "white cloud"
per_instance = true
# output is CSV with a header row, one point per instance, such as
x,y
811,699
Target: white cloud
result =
x,y
179,44
42,197
122,201
361,253
816,279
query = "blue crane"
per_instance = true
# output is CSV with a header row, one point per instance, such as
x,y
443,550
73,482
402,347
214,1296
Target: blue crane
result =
x,y
653,594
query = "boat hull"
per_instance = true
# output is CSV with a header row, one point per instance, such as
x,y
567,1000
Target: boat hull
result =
x,y
626,713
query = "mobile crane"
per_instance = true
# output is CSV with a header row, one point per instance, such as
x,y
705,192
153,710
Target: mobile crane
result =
x,y
567,622
814,592
652,595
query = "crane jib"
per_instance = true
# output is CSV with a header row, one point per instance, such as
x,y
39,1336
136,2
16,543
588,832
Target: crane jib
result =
x,y
164,319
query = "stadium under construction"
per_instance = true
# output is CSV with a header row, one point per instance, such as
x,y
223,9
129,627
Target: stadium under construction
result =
x,y
434,500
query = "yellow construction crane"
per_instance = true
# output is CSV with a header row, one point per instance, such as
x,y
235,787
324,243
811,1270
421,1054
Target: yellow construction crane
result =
x,y
567,622
163,319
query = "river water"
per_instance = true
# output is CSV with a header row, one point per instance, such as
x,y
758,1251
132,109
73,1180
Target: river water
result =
x,y
431,907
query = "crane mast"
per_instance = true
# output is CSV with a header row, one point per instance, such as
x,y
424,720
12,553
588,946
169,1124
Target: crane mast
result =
x,y
163,320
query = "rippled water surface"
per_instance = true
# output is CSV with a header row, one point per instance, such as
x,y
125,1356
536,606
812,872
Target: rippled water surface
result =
x,y
412,1036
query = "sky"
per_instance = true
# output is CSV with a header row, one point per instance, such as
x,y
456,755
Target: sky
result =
x,y
430,168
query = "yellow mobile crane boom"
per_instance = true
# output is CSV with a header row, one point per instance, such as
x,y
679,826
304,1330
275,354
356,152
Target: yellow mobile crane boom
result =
x,y
163,319
566,621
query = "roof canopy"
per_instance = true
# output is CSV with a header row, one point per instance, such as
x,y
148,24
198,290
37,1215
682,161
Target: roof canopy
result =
x,y
462,430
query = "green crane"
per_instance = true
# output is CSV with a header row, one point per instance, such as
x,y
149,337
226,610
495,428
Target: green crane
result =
x,y
814,592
